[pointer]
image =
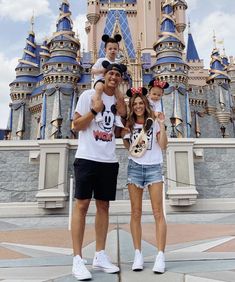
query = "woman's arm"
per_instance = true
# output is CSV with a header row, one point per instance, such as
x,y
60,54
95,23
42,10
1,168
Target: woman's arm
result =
x,y
162,136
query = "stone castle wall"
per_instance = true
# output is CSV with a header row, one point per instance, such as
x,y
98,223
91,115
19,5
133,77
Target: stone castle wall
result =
x,y
20,168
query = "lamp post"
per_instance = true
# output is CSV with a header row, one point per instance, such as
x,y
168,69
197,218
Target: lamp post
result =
x,y
222,129
59,133
173,133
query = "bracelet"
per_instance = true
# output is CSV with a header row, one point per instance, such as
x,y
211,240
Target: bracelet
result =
x,y
94,112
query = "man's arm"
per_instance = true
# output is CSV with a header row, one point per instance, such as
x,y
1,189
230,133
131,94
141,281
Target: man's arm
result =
x,y
81,122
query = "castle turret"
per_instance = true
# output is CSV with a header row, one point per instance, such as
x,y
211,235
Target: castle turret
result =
x,y
61,73
197,74
171,67
220,90
180,7
93,15
21,88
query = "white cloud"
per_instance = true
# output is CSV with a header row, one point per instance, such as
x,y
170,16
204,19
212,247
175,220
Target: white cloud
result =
x,y
23,10
79,27
223,25
7,74
192,4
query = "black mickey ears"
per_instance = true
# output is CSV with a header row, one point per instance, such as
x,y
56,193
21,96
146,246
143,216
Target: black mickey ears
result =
x,y
118,67
140,91
117,38
105,37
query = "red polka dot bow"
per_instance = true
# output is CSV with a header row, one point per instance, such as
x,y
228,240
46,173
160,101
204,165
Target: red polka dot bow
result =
x,y
136,90
158,83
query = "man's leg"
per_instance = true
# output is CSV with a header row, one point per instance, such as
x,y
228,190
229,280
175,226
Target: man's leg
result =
x,y
78,224
101,261
101,223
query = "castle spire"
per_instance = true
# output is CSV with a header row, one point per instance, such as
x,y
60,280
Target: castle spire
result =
x,y
192,54
29,56
64,22
217,67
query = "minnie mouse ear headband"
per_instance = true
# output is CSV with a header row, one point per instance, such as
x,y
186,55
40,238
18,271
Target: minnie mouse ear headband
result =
x,y
140,91
117,67
157,83
117,38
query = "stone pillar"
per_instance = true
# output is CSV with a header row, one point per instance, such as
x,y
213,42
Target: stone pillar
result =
x,y
53,182
180,172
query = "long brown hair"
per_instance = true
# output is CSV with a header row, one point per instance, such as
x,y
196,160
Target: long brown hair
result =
x,y
132,118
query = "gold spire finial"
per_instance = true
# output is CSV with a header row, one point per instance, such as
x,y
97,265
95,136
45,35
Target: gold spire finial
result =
x,y
32,21
189,26
214,39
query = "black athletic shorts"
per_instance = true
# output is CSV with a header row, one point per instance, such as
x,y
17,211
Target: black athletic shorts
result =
x,y
95,179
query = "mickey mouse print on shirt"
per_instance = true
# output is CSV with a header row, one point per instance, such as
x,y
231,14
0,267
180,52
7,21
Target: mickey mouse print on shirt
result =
x,y
106,125
136,132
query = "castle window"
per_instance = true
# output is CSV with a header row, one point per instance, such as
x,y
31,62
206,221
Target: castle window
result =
x,y
29,84
172,65
30,69
147,70
87,70
74,67
61,43
170,44
71,44
59,65
158,67
17,84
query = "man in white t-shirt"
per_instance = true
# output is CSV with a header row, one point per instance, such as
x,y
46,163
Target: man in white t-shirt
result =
x,y
96,170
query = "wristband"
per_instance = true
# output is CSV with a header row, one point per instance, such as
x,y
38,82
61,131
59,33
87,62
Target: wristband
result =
x,y
94,112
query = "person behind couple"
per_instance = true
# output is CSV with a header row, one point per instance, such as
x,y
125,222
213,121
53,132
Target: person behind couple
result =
x,y
111,47
144,170
96,170
156,91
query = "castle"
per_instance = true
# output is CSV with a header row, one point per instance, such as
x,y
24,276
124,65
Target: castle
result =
x,y
51,76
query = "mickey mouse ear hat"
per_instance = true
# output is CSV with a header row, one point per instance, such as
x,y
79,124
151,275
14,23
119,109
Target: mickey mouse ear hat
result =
x,y
140,91
118,67
117,37
158,83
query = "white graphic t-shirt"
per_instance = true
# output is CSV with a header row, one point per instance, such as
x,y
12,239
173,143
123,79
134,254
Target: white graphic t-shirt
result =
x,y
97,142
156,105
98,65
153,154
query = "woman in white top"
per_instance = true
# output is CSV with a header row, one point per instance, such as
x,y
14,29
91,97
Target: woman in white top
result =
x,y
145,137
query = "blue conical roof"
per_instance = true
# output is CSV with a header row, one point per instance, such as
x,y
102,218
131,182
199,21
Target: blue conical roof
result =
x,y
217,67
64,22
29,57
192,54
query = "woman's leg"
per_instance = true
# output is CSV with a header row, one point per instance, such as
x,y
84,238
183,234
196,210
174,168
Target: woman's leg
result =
x,y
155,191
136,212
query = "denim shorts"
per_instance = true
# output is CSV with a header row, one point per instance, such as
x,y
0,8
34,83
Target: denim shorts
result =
x,y
143,175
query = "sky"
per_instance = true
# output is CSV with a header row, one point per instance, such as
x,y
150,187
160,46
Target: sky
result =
x,y
206,17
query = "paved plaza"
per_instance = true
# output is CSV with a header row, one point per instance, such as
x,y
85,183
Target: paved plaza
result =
x,y
200,248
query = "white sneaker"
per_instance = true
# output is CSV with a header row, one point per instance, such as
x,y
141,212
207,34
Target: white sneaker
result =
x,y
102,262
79,269
159,265
99,117
138,261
